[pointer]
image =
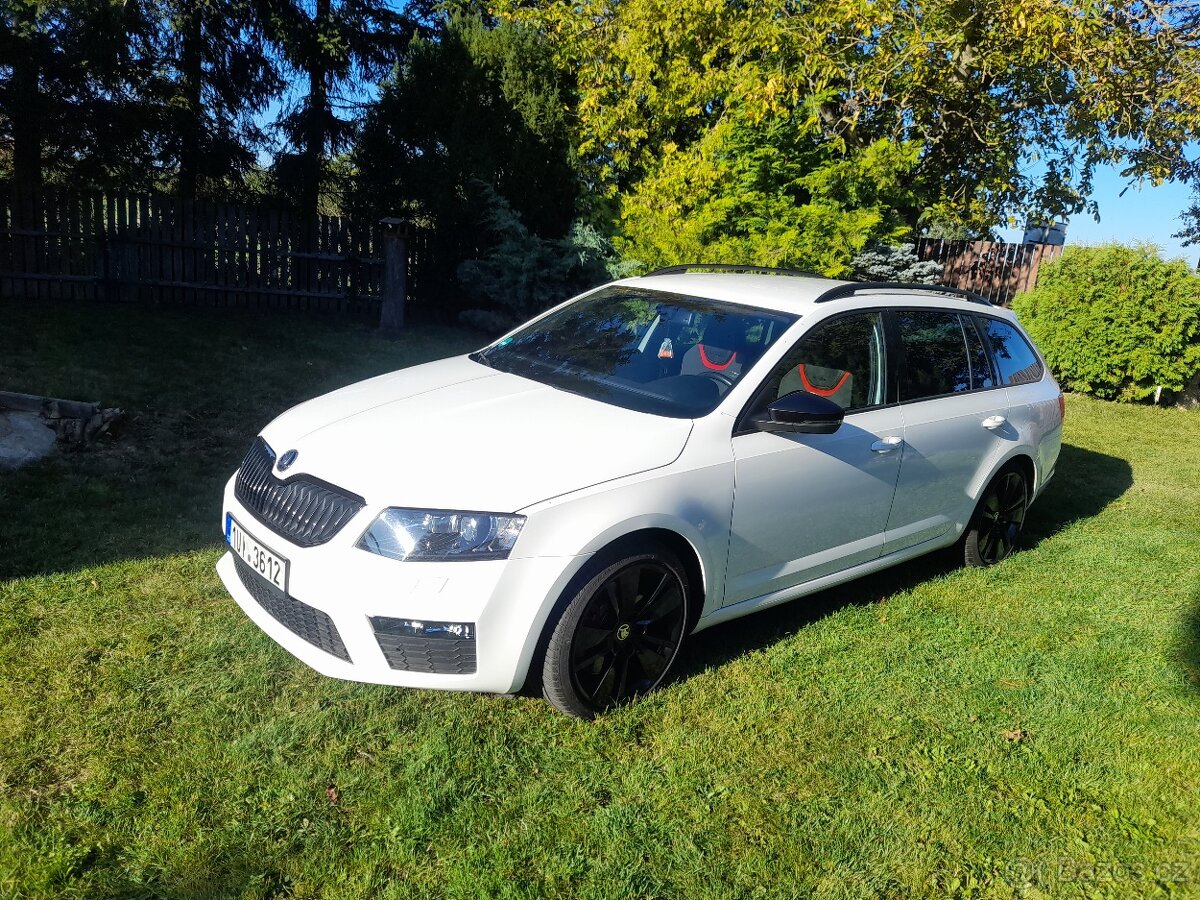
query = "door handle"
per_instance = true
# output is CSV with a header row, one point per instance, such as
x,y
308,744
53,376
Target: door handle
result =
x,y
887,444
991,423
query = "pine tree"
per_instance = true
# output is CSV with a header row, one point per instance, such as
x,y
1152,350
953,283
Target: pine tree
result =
x,y
222,78
335,47
76,100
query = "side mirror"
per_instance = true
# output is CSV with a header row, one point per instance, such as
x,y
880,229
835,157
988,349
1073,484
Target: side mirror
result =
x,y
801,412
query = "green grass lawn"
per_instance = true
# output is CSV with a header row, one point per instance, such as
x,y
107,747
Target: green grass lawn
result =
x,y
1030,730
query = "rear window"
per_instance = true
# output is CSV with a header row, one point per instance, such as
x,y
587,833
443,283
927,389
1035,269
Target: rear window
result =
x,y
1015,359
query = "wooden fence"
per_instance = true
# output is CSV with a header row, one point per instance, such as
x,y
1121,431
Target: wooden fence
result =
x,y
997,270
153,248
163,250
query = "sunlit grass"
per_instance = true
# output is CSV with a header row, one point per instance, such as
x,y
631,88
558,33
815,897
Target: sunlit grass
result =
x,y
1030,730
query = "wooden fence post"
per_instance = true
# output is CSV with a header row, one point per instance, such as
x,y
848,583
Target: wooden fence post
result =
x,y
395,274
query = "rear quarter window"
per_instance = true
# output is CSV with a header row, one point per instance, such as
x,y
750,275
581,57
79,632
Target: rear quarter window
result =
x,y
1015,359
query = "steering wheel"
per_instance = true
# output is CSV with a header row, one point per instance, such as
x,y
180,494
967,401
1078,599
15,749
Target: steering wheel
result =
x,y
723,381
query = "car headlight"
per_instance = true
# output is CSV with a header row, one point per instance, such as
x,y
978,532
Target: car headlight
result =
x,y
439,535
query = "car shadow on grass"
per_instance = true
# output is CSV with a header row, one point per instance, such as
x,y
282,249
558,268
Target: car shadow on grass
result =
x,y
134,497
1086,482
1187,645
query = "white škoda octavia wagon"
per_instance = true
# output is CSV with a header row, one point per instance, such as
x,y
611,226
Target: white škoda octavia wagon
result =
x,y
651,458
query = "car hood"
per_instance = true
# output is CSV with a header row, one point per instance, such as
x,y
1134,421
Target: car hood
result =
x,y
455,434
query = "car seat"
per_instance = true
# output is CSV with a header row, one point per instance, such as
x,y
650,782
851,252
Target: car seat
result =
x,y
824,381
721,351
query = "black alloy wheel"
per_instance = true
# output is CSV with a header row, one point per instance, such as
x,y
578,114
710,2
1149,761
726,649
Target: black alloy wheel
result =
x,y
619,636
998,519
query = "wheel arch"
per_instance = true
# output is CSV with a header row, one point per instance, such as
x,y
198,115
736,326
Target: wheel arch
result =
x,y
1028,468
1020,456
600,549
681,534
970,542
688,555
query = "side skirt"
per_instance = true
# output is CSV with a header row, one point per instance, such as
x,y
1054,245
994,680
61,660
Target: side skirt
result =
x,y
754,604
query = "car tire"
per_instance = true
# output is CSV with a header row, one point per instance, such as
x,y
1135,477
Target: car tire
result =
x,y
999,517
618,637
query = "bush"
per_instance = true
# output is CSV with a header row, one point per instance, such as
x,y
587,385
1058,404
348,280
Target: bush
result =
x,y
522,274
1116,322
885,262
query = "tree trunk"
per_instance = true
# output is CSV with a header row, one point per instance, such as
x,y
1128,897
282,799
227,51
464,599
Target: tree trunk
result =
x,y
26,108
192,125
318,111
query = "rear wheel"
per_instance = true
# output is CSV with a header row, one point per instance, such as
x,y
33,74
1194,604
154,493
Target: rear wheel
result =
x,y
619,635
998,520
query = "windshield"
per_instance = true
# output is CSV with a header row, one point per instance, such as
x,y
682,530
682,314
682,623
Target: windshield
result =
x,y
654,352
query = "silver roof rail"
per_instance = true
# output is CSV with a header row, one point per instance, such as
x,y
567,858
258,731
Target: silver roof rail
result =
x,y
726,267
841,291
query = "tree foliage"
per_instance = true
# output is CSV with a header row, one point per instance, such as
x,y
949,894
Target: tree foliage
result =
x,y
522,273
337,50
895,263
984,94
173,93
77,78
220,77
473,113
779,132
472,106
1114,321
752,194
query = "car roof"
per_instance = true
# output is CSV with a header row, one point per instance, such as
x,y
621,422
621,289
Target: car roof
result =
x,y
800,294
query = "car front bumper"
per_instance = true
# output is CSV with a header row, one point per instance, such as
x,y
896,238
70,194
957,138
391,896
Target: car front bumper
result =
x,y
503,605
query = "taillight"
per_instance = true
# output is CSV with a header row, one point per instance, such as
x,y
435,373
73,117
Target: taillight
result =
x,y
1062,407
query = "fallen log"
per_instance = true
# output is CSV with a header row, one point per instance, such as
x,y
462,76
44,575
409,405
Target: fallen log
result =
x,y
75,422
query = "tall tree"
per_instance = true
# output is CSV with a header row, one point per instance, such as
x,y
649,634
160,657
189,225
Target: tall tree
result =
x,y
76,94
474,104
337,47
223,78
26,45
473,127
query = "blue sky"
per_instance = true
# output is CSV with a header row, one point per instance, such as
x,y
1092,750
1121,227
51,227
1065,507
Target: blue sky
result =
x,y
1146,214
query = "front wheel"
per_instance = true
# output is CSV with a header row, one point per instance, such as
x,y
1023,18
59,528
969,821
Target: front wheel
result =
x,y
996,525
619,636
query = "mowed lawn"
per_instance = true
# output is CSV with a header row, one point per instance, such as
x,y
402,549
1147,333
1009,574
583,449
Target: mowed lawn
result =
x,y
1030,730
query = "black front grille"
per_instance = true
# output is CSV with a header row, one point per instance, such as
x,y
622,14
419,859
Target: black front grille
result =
x,y
303,510
441,648
299,618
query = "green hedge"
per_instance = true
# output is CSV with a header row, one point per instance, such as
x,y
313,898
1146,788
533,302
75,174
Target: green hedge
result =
x,y
1116,322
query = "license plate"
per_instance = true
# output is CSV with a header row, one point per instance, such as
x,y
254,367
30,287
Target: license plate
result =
x,y
267,563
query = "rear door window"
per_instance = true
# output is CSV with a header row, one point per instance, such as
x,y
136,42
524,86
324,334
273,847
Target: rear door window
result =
x,y
935,354
1015,359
